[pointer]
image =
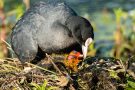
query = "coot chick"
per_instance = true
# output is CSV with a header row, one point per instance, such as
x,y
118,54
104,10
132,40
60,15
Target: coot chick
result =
x,y
50,28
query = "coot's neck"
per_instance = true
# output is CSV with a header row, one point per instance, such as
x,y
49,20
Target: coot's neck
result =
x,y
80,27
72,22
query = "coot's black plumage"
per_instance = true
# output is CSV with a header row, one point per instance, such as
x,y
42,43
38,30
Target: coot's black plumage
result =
x,y
50,28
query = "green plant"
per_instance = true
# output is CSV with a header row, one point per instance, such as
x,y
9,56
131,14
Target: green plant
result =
x,y
124,45
130,85
44,86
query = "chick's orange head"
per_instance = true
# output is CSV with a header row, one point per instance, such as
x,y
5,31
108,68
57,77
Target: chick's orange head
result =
x,y
74,55
72,60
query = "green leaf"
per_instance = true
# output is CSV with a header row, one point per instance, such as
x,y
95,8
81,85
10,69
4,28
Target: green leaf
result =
x,y
19,11
43,86
118,13
113,74
36,86
131,84
129,88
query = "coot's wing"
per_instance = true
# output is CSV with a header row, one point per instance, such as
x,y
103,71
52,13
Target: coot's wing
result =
x,y
34,26
24,46
23,37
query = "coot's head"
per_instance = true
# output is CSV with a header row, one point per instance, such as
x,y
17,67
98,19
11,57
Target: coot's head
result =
x,y
82,32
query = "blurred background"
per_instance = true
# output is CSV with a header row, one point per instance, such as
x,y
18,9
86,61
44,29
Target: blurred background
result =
x,y
113,22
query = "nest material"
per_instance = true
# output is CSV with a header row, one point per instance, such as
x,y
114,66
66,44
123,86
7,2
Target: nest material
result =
x,y
93,74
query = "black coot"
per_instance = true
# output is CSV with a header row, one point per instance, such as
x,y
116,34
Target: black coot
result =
x,y
50,28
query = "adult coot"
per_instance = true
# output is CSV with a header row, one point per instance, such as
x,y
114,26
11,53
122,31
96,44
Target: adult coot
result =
x,y
50,28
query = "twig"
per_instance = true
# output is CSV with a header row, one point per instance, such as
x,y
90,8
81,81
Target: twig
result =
x,y
10,66
51,59
6,43
39,76
41,68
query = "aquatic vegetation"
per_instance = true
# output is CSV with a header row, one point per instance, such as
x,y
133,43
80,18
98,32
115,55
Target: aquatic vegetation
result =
x,y
124,38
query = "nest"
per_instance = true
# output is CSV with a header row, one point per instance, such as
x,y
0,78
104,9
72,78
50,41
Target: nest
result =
x,y
93,74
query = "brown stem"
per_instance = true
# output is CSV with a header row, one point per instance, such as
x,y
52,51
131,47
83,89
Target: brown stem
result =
x,y
3,32
27,3
50,58
118,40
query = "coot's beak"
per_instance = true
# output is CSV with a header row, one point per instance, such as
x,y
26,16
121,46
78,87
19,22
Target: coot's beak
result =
x,y
85,47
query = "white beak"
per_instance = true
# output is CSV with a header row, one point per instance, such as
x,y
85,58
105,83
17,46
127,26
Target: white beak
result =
x,y
85,47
